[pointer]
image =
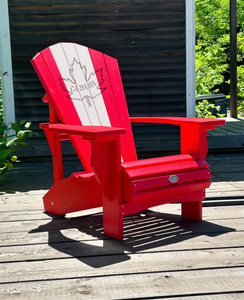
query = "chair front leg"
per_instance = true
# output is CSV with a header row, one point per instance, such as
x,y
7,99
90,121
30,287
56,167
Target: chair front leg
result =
x,y
55,146
106,165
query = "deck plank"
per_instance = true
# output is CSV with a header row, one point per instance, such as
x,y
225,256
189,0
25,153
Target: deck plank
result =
x,y
132,286
163,255
122,264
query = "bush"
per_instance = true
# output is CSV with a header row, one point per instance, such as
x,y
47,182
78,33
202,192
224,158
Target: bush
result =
x,y
213,48
204,110
11,136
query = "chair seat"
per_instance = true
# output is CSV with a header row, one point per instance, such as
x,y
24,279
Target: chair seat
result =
x,y
158,176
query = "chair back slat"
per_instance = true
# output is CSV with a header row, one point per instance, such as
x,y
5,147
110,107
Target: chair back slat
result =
x,y
85,87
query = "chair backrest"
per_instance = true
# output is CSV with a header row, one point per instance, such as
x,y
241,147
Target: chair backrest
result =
x,y
85,88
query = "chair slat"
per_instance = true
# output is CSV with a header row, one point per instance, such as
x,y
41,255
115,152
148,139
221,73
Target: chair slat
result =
x,y
152,162
160,181
152,171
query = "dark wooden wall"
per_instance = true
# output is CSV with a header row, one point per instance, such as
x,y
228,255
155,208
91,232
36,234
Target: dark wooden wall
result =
x,y
147,38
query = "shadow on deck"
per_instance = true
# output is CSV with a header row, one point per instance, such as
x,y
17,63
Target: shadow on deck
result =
x,y
144,231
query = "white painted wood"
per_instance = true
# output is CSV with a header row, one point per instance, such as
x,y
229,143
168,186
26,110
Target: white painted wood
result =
x,y
63,66
76,68
6,64
190,58
97,98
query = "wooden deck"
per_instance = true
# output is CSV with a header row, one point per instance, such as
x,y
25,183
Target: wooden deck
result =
x,y
231,127
229,136
163,256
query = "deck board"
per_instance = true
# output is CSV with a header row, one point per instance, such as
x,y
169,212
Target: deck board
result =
x,y
144,285
163,255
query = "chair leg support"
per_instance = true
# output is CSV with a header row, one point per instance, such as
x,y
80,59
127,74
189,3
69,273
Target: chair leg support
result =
x,y
112,219
192,210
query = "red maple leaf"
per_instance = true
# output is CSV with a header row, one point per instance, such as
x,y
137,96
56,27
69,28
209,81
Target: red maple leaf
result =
x,y
81,86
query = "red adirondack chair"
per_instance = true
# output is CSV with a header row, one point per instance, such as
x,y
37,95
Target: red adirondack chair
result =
x,y
87,105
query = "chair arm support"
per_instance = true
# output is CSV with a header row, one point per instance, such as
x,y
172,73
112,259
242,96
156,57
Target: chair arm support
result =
x,y
105,154
106,165
212,123
193,131
91,133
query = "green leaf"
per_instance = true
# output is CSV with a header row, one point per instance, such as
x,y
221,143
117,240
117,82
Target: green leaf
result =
x,y
9,165
4,153
20,135
28,124
15,127
12,141
22,122
3,127
14,158
21,144
3,139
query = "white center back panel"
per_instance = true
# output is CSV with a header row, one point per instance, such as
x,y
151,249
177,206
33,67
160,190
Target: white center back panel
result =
x,y
79,80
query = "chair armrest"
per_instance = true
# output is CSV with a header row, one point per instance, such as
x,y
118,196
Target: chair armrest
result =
x,y
91,133
210,123
193,131
105,153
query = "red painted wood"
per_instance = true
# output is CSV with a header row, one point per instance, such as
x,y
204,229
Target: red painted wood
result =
x,y
194,140
54,140
179,121
161,181
192,210
93,133
193,131
170,190
166,169
106,154
39,63
152,162
135,207
113,219
132,188
49,75
121,188
120,102
111,99
73,194
45,99
54,143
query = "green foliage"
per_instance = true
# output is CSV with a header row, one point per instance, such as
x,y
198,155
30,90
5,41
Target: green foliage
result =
x,y
205,110
240,108
11,136
213,46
